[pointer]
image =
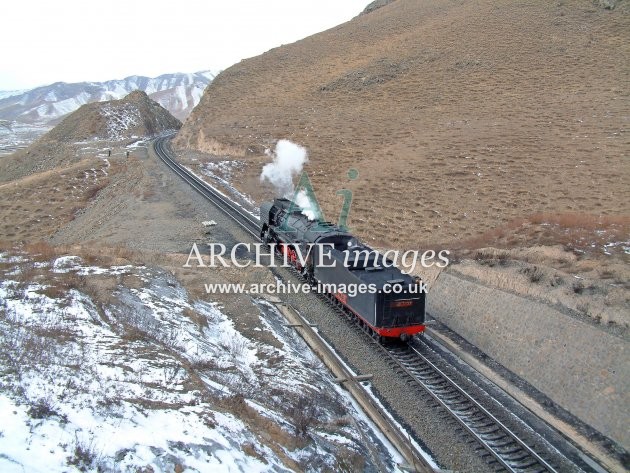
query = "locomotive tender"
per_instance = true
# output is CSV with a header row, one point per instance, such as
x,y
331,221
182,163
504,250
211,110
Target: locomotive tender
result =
x,y
390,304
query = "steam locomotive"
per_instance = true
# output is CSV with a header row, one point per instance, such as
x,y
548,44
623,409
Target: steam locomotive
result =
x,y
387,302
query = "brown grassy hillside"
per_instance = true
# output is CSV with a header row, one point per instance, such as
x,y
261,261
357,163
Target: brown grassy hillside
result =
x,y
459,116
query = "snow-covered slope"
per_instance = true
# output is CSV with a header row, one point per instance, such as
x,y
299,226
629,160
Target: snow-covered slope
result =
x,y
134,116
141,377
178,93
116,122
10,93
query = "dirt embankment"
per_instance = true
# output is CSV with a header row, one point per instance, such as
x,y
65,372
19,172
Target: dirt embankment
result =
x,y
579,366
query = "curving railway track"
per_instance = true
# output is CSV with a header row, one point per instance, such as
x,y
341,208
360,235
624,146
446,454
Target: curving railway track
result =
x,y
246,221
500,445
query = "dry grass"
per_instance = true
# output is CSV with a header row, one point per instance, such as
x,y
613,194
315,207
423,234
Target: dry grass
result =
x,y
97,253
42,409
533,273
42,251
460,117
583,233
34,207
275,436
91,253
56,285
26,275
93,190
250,450
26,347
543,254
584,221
85,456
53,292
304,414
199,320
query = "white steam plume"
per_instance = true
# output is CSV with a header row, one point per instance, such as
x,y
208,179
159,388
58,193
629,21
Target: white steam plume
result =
x,y
309,208
288,161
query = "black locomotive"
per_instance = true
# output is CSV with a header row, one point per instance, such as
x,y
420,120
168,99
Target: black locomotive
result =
x,y
389,303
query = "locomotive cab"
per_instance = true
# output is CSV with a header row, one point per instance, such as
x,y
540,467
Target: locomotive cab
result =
x,y
397,311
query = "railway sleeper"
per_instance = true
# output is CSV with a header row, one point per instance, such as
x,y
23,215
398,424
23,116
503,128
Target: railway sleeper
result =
x,y
489,429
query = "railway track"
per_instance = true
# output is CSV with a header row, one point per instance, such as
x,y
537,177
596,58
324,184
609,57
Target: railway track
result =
x,y
413,456
246,221
500,445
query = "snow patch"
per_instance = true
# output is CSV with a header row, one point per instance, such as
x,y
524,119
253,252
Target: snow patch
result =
x,y
117,381
221,172
120,119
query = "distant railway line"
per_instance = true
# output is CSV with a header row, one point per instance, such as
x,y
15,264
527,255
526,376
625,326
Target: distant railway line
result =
x,y
246,221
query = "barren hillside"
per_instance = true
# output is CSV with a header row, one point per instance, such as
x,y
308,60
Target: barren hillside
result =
x,y
459,116
115,122
134,116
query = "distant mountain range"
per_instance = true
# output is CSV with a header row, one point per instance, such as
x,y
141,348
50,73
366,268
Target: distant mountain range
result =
x,y
46,105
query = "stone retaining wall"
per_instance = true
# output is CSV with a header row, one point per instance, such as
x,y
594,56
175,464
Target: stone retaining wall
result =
x,y
583,369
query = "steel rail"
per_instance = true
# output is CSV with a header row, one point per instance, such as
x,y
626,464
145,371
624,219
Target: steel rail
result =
x,y
248,222
499,440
